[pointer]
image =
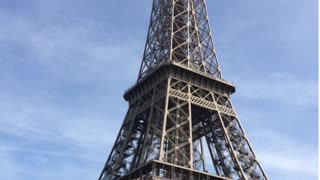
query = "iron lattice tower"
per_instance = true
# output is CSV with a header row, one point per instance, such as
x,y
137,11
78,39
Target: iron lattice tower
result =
x,y
180,107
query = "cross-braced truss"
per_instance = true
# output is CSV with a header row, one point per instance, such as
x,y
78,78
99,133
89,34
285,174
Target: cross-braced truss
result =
x,y
180,116
179,32
171,122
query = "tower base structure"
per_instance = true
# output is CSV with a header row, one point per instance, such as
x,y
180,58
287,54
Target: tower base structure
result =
x,y
157,170
173,114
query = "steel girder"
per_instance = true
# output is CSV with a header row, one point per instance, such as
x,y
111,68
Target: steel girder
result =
x,y
180,32
169,123
180,107
228,145
156,170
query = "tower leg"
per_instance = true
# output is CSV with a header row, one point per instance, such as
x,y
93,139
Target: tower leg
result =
x,y
177,142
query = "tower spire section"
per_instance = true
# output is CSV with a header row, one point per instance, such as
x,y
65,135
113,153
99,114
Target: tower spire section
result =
x,y
179,32
181,123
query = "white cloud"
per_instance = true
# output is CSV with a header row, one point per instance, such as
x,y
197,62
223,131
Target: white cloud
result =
x,y
289,162
67,51
31,119
8,166
283,154
74,52
43,131
38,121
279,87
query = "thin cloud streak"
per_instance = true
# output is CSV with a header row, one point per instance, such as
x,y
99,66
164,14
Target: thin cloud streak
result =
x,y
283,154
65,65
280,87
65,52
59,154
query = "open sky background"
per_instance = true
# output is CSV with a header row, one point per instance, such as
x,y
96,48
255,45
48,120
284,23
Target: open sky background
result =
x,y
65,64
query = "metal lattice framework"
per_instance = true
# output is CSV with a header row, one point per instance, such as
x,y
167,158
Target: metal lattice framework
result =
x,y
180,108
179,31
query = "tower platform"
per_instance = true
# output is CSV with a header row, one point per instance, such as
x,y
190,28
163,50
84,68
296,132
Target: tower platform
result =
x,y
156,170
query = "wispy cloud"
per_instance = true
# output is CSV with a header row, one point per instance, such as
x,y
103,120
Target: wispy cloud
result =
x,y
39,119
65,50
43,131
279,88
8,166
64,68
284,155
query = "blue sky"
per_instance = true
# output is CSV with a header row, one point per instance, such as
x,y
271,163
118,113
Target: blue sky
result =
x,y
64,66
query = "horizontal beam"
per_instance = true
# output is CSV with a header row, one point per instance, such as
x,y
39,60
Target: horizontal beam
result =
x,y
185,74
152,170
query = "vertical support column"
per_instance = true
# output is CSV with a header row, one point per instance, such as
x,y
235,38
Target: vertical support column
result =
x,y
190,126
216,60
171,34
202,156
177,141
197,38
249,145
214,161
128,137
237,165
104,171
165,120
146,136
189,35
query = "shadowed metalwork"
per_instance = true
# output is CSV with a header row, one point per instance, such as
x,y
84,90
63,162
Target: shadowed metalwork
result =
x,y
180,108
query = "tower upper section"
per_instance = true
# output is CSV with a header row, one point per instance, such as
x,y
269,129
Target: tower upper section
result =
x,y
179,32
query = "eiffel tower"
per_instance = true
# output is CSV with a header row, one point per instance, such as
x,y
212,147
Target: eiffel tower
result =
x,y
180,123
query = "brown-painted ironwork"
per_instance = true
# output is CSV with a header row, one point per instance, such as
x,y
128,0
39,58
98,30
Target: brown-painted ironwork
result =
x,y
180,107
